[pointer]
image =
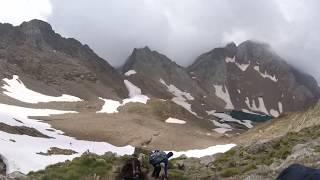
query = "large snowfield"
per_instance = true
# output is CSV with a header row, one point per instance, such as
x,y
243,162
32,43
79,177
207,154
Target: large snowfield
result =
x,y
23,152
20,151
16,89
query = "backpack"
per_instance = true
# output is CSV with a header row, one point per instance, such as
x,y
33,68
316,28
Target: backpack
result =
x,y
131,170
157,157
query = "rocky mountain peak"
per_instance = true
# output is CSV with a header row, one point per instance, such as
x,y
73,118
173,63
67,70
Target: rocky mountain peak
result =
x,y
34,49
36,26
147,58
256,78
231,49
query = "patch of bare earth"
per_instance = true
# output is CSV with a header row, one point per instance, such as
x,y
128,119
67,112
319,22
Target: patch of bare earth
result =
x,y
21,130
58,151
138,130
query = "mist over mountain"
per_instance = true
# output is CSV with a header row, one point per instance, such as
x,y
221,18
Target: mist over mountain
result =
x,y
181,30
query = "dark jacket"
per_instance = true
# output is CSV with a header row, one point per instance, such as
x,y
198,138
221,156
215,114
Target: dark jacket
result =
x,y
299,172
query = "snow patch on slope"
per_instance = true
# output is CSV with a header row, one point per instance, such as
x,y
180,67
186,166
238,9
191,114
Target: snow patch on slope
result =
x,y
222,130
274,113
175,121
223,95
111,106
198,153
211,112
16,89
221,125
181,97
24,149
227,118
249,112
134,94
280,107
260,108
130,72
243,67
265,74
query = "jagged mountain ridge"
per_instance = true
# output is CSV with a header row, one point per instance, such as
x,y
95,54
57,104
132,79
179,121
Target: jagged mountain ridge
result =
x,y
44,58
250,77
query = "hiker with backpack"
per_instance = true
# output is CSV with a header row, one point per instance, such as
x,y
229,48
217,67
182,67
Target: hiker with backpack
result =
x,y
158,158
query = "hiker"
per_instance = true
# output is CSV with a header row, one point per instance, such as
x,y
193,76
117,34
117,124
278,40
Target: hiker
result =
x,y
158,158
299,172
131,170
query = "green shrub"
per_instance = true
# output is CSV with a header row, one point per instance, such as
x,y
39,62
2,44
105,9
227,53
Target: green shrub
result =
x,y
81,167
229,172
177,175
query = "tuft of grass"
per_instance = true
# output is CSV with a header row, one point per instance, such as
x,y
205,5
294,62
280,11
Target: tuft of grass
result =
x,y
177,175
317,148
229,172
240,160
88,165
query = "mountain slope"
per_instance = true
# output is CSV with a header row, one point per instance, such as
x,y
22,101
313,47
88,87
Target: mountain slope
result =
x,y
256,78
43,58
162,78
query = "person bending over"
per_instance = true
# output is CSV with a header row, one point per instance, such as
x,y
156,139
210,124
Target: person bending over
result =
x,y
157,158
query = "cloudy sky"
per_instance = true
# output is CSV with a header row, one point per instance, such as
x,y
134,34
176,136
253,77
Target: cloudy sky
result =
x,y
181,29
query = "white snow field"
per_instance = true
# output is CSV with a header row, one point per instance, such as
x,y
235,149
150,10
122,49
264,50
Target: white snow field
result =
x,y
265,74
197,153
274,113
20,151
130,72
181,97
16,89
174,121
134,94
222,130
221,125
111,106
227,118
223,95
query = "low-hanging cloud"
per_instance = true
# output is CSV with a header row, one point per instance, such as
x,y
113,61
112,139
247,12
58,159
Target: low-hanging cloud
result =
x,y
17,11
184,29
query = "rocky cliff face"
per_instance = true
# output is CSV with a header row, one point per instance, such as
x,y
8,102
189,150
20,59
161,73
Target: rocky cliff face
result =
x,y
256,79
160,77
44,58
2,167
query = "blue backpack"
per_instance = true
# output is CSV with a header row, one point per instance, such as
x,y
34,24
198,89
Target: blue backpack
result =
x,y
157,157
